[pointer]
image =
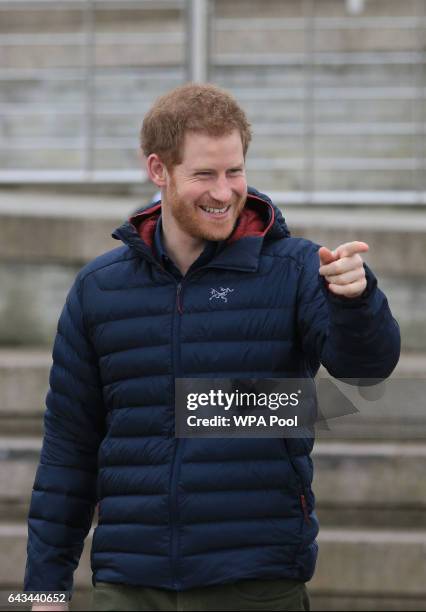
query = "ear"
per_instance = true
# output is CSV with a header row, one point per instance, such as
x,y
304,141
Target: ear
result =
x,y
156,170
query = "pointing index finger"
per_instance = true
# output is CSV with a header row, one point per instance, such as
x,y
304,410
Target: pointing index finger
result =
x,y
350,248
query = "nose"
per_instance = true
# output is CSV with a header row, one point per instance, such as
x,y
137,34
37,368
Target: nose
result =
x,y
221,191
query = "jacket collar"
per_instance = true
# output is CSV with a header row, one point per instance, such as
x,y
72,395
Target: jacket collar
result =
x,y
259,220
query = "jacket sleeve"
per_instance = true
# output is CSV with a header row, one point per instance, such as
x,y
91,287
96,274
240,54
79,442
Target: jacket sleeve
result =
x,y
354,338
64,494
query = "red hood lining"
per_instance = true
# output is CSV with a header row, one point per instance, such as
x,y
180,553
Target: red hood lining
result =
x,y
253,221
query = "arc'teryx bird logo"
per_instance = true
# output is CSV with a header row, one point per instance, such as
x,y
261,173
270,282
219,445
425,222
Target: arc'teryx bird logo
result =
x,y
220,294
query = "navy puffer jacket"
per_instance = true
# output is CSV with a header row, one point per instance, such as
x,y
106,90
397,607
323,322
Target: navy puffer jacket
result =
x,y
183,513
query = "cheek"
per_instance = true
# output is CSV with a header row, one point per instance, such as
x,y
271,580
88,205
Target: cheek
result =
x,y
191,191
241,186
199,194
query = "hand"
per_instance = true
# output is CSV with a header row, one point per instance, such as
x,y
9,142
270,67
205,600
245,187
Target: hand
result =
x,y
343,268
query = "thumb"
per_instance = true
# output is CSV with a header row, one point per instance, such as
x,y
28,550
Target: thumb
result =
x,y
326,256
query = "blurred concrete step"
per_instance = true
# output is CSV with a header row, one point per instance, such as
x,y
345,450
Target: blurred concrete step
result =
x,y
61,157
23,122
382,411
411,365
331,110
293,9
350,75
70,16
24,381
40,87
150,33
349,145
336,90
291,175
260,40
355,602
375,484
368,569
146,53
13,545
64,228
394,570
35,280
19,458
271,141
355,104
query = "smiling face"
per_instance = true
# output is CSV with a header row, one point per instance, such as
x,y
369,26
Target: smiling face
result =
x,y
204,195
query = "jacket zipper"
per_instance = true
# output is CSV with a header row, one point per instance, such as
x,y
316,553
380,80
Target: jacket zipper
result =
x,y
179,298
180,442
302,497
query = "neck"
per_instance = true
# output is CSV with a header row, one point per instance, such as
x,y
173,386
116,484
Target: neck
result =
x,y
181,248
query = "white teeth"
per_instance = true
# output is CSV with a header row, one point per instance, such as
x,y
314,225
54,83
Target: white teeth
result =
x,y
214,210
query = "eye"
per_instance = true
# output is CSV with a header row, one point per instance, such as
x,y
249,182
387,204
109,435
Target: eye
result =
x,y
203,174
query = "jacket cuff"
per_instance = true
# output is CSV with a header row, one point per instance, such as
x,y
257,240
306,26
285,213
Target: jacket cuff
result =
x,y
348,302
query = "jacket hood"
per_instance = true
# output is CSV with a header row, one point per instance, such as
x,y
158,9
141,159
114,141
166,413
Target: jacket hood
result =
x,y
260,218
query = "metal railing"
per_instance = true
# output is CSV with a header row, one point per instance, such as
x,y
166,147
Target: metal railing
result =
x,y
312,59
191,34
89,76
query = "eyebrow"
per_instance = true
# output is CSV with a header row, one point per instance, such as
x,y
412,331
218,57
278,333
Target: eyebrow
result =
x,y
236,167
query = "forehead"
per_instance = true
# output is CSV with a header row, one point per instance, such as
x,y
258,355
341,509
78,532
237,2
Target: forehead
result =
x,y
205,150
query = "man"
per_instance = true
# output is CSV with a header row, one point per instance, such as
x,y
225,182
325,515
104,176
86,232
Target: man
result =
x,y
207,524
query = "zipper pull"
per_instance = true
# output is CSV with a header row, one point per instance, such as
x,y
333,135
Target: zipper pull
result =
x,y
305,508
178,298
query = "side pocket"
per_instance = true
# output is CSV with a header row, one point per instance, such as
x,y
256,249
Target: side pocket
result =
x,y
304,507
103,457
112,420
300,486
